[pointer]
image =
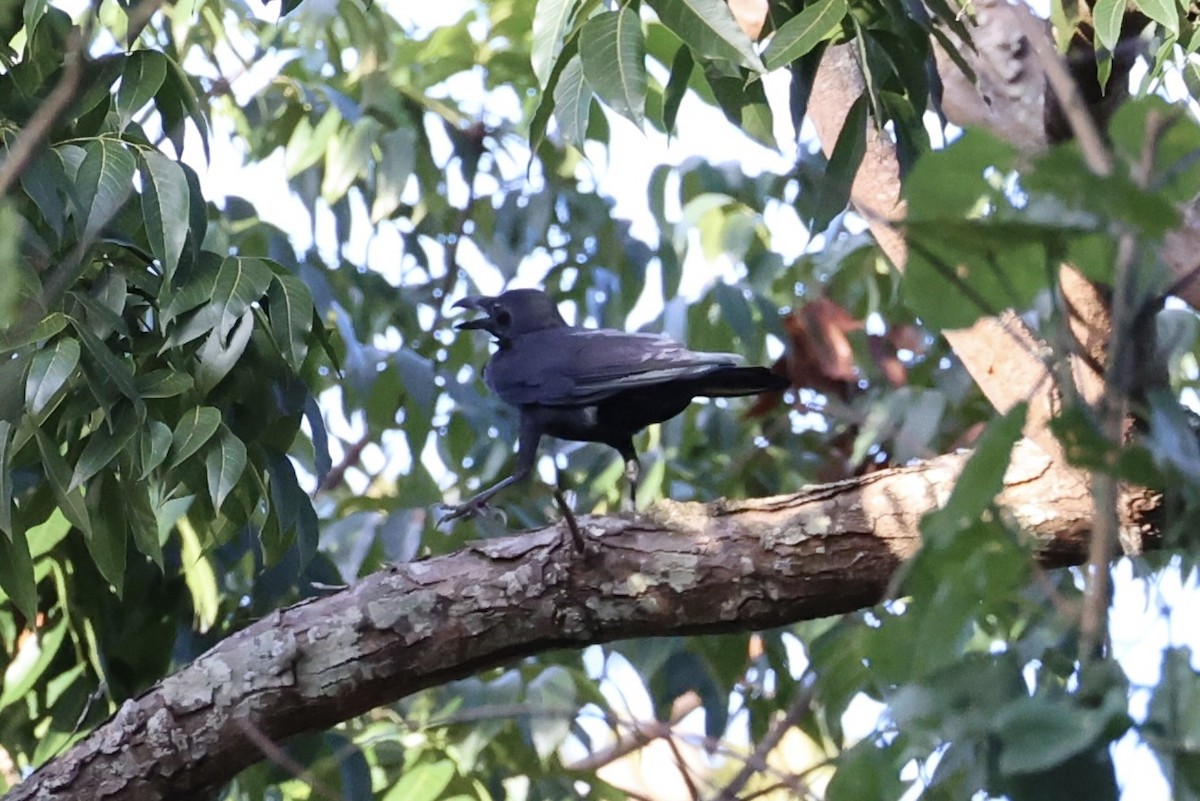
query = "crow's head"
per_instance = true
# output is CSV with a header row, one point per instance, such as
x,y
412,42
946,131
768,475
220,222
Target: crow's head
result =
x,y
515,312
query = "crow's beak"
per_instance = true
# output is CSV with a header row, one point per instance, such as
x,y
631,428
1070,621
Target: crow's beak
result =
x,y
474,303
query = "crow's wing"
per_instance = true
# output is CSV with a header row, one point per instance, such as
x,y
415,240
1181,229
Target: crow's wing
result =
x,y
572,366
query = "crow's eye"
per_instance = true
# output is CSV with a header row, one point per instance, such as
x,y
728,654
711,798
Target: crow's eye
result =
x,y
503,318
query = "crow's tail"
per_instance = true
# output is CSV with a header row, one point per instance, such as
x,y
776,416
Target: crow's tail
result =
x,y
732,382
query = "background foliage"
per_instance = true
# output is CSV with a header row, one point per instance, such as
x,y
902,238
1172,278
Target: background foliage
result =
x,y
172,361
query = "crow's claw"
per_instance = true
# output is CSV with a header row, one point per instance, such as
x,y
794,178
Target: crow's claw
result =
x,y
462,510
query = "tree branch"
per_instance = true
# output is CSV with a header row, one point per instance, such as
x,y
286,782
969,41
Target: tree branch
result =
x,y
681,568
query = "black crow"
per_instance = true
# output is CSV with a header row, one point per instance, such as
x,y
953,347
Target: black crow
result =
x,y
589,384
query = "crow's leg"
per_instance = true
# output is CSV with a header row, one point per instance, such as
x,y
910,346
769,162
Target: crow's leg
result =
x,y
569,517
531,434
633,470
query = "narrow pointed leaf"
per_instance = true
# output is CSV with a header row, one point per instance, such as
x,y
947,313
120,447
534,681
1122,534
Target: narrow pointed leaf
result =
x,y
397,160
550,21
291,312
6,488
155,443
677,85
709,28
803,32
141,79
16,574
224,463
572,102
221,351
106,542
102,447
613,51
104,181
49,371
70,501
166,207
194,430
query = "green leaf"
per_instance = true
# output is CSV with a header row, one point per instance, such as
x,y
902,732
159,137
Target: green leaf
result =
x,y
982,477
1040,733
290,307
152,449
45,328
550,21
347,157
43,537
6,487
709,29
139,514
106,368
677,85
49,371
163,383
195,286
613,52
224,462
1108,15
198,571
834,190
16,575
176,101
240,282
166,206
744,104
225,345
551,698
309,143
45,181
102,447
1164,12
195,428
104,181
21,675
422,782
70,501
803,32
396,162
573,102
142,77
107,541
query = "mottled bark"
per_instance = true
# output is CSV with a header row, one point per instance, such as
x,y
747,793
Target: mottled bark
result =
x,y
678,568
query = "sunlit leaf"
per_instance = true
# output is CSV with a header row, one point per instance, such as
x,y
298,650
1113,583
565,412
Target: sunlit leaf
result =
x,y
550,21
572,102
803,32
709,28
613,53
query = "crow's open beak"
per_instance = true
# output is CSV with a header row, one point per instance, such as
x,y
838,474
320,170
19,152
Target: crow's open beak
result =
x,y
474,303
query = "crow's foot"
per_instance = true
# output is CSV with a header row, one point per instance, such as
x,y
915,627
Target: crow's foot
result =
x,y
463,511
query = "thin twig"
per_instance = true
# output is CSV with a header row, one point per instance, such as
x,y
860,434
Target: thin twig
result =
x,y
335,476
685,772
34,133
799,708
275,753
640,735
